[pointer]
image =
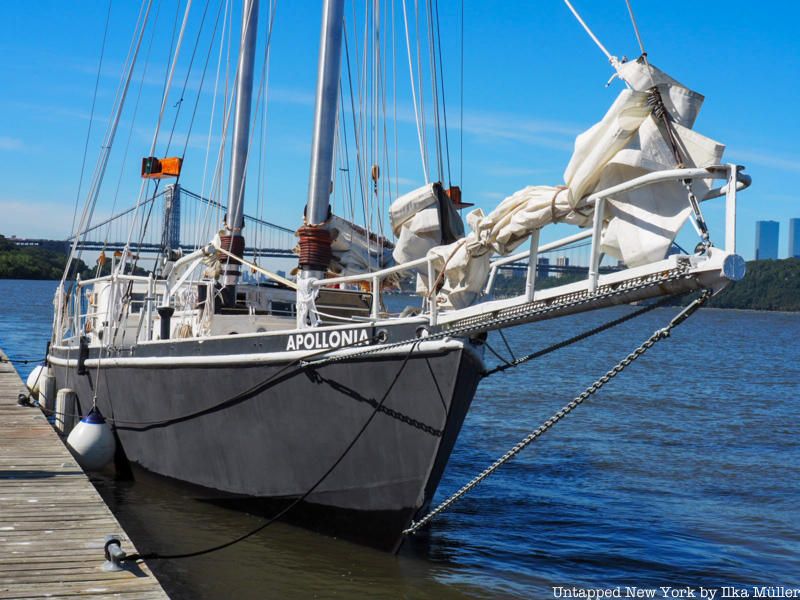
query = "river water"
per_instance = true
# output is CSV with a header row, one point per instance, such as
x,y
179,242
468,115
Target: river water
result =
x,y
684,470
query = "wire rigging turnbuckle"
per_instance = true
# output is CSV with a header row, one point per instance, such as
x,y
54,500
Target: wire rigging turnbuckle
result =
x,y
657,336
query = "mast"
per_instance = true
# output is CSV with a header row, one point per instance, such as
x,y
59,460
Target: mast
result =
x,y
315,242
233,241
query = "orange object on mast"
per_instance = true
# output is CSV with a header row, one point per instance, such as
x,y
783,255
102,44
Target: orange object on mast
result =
x,y
454,193
155,168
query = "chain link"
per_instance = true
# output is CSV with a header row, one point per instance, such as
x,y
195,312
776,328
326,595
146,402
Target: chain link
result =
x,y
568,408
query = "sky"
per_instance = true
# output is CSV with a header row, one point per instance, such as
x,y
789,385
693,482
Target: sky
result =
x,y
532,80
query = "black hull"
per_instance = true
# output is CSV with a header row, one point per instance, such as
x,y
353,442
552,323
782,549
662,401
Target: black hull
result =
x,y
257,436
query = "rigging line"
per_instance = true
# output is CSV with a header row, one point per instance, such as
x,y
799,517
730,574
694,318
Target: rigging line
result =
x,y
444,104
91,116
200,91
636,28
376,409
252,122
254,118
657,336
508,346
171,43
576,338
497,355
364,117
109,140
165,89
394,103
374,224
165,97
356,116
356,134
211,121
216,181
130,132
610,58
273,6
461,112
421,89
179,104
414,98
641,43
100,170
386,181
374,130
343,142
434,86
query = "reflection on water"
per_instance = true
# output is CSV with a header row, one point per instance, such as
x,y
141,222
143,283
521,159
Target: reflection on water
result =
x,y
683,470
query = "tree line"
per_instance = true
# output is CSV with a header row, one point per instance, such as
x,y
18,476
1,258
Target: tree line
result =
x,y
30,262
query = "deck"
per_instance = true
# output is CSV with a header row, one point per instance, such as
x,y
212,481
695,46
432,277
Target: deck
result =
x,y
53,523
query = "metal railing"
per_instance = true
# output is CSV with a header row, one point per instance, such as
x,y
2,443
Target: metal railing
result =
x,y
163,292
735,181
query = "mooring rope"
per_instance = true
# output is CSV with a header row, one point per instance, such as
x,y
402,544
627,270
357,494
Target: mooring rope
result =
x,y
296,501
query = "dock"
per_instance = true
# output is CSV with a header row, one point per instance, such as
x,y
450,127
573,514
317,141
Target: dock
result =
x,y
53,523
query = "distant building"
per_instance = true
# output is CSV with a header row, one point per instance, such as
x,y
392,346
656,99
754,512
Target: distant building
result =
x,y
794,238
510,273
561,261
543,270
767,239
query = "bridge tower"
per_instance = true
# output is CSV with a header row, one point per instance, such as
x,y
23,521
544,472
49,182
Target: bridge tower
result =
x,y
172,216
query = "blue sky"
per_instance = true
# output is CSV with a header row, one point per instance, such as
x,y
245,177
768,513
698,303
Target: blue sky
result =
x,y
532,81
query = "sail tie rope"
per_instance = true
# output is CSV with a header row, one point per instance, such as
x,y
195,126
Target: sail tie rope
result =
x,y
306,309
657,336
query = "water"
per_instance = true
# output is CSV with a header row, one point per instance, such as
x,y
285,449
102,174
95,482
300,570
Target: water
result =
x,y
685,470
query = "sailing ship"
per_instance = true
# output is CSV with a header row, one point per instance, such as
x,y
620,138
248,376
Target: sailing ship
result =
x,y
311,392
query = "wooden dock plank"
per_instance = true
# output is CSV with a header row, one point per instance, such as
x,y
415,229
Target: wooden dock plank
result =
x,y
53,522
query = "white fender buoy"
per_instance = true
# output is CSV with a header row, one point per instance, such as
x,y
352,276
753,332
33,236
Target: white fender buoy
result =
x,y
92,441
35,379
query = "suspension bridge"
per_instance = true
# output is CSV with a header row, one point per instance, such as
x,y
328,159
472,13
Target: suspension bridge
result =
x,y
175,218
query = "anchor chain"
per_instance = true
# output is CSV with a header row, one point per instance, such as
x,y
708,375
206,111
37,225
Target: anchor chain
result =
x,y
657,336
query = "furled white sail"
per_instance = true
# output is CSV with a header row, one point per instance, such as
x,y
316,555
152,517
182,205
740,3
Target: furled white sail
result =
x,y
421,220
355,250
626,143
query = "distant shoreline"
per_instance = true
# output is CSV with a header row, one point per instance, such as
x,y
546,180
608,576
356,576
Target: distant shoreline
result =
x,y
768,286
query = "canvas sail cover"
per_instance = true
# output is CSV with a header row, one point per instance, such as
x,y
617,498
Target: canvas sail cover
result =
x,y
421,220
355,250
628,142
